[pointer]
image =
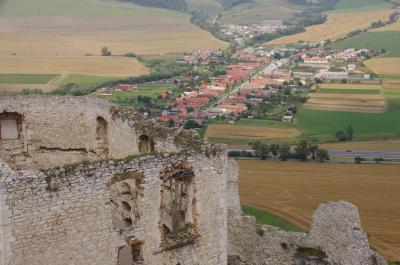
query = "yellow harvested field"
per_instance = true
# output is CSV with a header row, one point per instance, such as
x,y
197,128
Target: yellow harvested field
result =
x,y
345,96
338,25
351,86
385,66
368,103
348,102
229,131
63,43
89,65
345,108
293,190
390,146
87,35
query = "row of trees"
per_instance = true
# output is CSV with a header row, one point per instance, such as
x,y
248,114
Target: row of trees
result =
x,y
302,151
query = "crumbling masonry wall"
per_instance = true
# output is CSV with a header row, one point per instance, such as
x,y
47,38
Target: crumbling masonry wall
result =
x,y
66,215
335,237
56,131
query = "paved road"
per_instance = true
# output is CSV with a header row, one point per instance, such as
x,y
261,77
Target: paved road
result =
x,y
259,72
350,153
364,154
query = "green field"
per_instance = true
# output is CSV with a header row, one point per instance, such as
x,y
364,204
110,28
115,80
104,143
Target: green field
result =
x,y
322,125
260,10
264,217
388,40
359,5
348,91
25,79
86,80
22,8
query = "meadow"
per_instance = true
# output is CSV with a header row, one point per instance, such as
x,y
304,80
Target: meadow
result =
x,y
338,25
388,40
321,125
258,11
361,5
264,217
25,79
293,190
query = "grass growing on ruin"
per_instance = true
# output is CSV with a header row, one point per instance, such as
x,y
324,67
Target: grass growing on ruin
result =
x,y
264,217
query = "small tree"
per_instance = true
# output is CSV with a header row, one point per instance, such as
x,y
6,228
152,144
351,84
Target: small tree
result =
x,y
190,124
105,52
340,135
322,155
274,149
349,132
171,123
302,150
262,150
284,152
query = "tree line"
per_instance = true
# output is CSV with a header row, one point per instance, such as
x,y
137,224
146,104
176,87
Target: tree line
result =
x,y
303,151
169,4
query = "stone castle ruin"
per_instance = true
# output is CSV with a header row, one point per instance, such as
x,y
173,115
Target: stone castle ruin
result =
x,y
85,182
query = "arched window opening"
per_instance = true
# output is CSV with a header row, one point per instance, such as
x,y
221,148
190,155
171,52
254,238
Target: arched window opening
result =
x,y
146,144
102,137
177,208
126,189
10,126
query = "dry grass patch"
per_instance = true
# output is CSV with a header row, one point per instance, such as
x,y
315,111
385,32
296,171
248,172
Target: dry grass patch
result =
x,y
369,103
294,190
385,66
330,96
338,25
350,86
351,102
390,146
228,131
87,35
345,108
89,65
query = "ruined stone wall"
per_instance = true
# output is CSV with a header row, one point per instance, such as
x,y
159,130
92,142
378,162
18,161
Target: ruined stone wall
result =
x,y
335,237
54,131
66,216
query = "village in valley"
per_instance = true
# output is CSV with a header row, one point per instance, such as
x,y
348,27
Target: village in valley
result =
x,y
254,83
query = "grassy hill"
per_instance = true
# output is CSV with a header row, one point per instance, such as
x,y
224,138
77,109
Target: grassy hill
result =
x,y
388,40
360,5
